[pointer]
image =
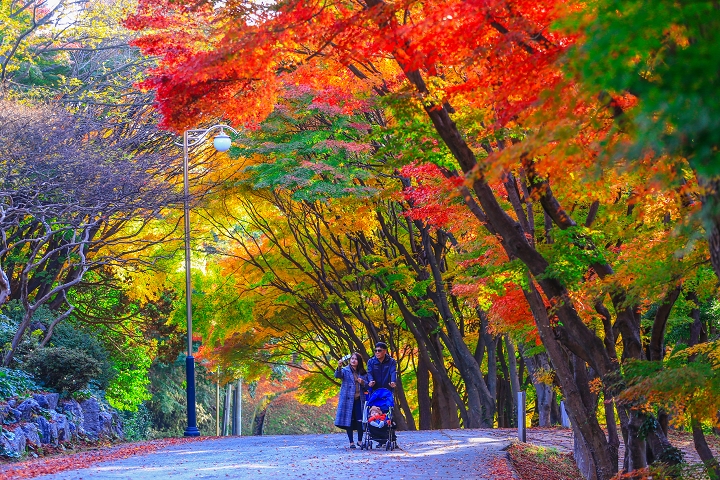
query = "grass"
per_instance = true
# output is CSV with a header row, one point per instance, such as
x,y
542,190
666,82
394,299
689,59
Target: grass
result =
x,y
541,463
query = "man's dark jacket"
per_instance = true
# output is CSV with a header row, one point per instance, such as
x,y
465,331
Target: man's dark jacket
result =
x,y
383,373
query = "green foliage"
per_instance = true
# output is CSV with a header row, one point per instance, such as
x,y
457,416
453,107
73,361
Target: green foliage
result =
x,y
667,56
168,406
410,137
686,384
137,424
278,372
316,389
252,388
82,395
572,253
68,335
129,388
12,315
420,288
63,369
680,321
313,151
14,383
14,312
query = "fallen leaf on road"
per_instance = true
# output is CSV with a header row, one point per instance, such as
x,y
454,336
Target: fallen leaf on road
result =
x,y
76,461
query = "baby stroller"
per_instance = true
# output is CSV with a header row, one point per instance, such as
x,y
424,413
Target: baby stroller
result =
x,y
379,430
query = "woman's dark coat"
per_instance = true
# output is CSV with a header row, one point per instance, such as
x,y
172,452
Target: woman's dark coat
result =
x,y
343,418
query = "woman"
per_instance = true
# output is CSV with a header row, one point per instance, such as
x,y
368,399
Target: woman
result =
x,y
351,399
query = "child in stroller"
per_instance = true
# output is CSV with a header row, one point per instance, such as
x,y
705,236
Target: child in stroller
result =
x,y
378,424
377,418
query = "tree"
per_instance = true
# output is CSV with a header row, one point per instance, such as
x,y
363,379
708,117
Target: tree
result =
x,y
91,196
504,118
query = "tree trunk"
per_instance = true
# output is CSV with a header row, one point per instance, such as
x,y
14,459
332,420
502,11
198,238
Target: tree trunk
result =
x,y
585,425
505,401
400,423
408,422
258,422
699,440
656,347
571,329
545,398
444,412
711,208
544,392
217,402
491,345
430,350
555,413
17,338
624,421
482,331
635,444
660,447
4,286
512,368
583,456
704,451
502,394
613,438
423,393
481,405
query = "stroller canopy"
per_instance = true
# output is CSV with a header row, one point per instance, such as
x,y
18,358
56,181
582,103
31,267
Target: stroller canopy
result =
x,y
382,397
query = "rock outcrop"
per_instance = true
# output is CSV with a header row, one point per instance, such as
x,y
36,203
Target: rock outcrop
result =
x,y
45,419
100,421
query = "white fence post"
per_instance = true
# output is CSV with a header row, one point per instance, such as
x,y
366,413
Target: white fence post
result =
x,y
564,419
217,403
522,416
238,399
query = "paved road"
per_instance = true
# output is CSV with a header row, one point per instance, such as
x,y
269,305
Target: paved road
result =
x,y
429,455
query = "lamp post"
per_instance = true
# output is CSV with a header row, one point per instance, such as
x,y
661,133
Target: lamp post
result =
x,y
222,143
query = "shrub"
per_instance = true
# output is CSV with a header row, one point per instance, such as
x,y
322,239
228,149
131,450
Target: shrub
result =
x,y
8,327
137,425
14,383
70,336
81,395
63,369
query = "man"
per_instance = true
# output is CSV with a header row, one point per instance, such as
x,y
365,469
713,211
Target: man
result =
x,y
381,369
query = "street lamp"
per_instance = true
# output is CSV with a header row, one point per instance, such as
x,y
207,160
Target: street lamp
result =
x,y
222,143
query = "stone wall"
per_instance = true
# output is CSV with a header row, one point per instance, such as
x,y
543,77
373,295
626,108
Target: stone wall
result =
x,y
45,419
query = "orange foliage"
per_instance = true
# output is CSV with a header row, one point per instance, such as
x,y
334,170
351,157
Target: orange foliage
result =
x,y
233,60
511,312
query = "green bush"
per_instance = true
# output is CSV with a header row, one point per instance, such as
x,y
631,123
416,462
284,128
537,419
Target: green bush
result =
x,y
63,369
137,425
14,383
8,327
70,336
